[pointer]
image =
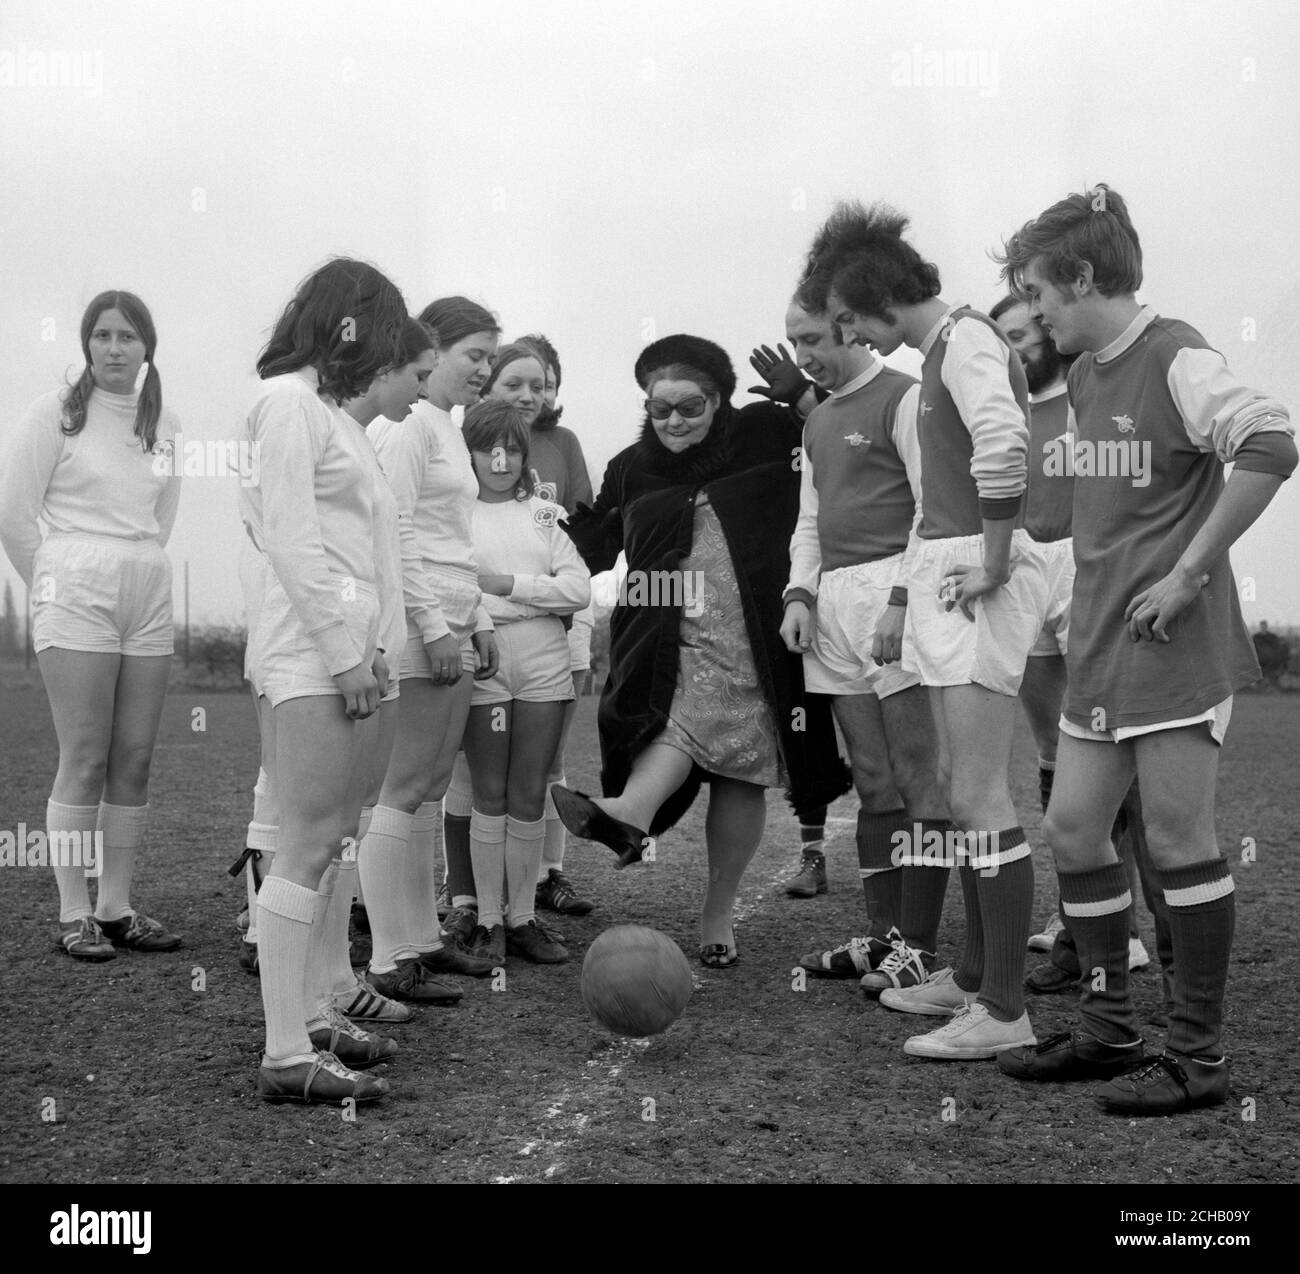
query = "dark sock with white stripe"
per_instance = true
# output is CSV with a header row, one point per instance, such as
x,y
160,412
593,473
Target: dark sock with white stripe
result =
x,y
1202,915
882,881
923,892
1006,897
1096,905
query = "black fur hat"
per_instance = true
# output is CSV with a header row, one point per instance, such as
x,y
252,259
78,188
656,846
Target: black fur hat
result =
x,y
690,351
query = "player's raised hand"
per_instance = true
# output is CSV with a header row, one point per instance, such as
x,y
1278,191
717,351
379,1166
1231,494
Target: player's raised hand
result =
x,y
1151,612
785,382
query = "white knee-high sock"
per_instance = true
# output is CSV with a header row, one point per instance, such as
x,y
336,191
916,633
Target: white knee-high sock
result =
x,y
124,828
285,925
339,975
363,826
385,874
426,852
318,964
524,843
487,847
264,836
556,833
74,892
264,829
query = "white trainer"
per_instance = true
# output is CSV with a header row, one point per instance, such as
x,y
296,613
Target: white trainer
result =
x,y
1138,956
1046,940
972,1035
937,996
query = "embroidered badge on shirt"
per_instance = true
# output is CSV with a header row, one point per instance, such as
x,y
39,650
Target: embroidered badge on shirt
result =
x,y
1124,424
545,516
926,408
856,439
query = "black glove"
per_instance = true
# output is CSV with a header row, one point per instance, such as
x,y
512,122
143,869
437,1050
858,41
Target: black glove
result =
x,y
785,382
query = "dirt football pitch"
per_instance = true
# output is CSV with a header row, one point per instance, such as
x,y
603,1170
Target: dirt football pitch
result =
x,y
156,1056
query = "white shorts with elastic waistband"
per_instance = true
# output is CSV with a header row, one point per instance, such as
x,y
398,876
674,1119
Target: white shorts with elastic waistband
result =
x,y
102,595
533,667
287,663
850,603
945,647
1058,564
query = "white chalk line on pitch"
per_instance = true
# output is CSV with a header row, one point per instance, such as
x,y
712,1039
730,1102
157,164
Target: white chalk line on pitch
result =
x,y
561,1125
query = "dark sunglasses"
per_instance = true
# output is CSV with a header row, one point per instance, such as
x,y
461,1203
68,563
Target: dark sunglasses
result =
x,y
688,409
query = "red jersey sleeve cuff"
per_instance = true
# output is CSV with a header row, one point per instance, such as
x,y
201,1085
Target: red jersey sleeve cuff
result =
x,y
797,595
999,510
1268,452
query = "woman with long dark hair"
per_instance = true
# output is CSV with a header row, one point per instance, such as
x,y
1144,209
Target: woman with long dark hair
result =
x,y
88,496
316,654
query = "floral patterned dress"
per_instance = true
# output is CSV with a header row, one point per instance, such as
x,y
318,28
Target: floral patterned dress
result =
x,y
719,717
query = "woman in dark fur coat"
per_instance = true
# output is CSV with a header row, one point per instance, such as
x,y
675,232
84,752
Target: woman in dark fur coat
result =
x,y
701,688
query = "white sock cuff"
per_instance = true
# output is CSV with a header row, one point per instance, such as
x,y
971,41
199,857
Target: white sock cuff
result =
x,y
459,802
363,822
263,836
71,818
428,817
525,831
1046,765
489,828
282,897
387,821
123,824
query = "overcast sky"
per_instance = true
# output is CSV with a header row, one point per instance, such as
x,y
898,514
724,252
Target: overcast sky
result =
x,y
609,173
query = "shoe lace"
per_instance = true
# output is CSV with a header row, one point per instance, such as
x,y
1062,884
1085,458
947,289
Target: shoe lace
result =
x,y
328,1062
342,1025
900,957
1163,1062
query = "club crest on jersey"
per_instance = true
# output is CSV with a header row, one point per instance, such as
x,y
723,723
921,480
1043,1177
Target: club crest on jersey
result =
x,y
1124,424
856,439
546,517
926,408
545,490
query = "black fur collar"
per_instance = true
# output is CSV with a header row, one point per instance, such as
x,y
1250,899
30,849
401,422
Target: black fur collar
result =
x,y
698,464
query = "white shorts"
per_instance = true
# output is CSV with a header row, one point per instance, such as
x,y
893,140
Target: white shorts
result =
x,y
534,664
945,647
580,640
414,660
286,662
850,602
458,598
1058,563
1216,718
102,595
